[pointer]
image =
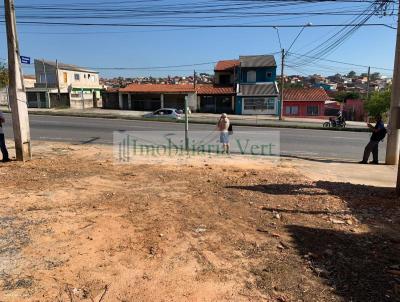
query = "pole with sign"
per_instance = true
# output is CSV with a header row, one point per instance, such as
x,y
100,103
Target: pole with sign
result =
x,y
16,89
25,60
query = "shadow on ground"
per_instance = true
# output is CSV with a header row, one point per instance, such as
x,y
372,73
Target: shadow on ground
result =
x,y
358,266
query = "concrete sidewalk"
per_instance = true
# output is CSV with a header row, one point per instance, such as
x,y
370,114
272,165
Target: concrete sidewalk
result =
x,y
347,172
206,118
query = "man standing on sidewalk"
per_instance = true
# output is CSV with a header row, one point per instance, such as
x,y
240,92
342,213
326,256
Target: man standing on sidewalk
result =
x,y
3,147
378,134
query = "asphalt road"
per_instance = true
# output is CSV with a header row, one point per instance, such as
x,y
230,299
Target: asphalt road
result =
x,y
302,143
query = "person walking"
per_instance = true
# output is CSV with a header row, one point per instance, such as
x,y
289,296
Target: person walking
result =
x,y
223,127
378,134
3,147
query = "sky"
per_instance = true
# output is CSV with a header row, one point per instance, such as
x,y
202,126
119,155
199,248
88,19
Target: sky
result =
x,y
103,47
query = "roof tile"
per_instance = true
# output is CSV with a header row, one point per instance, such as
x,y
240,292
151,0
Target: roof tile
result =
x,y
264,89
226,65
305,94
212,90
257,61
158,88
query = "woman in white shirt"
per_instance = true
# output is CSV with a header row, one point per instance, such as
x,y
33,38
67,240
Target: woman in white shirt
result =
x,y
223,127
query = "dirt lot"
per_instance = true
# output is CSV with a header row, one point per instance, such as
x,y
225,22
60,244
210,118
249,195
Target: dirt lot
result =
x,y
75,227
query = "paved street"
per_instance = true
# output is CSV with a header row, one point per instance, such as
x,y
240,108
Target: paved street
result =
x,y
313,144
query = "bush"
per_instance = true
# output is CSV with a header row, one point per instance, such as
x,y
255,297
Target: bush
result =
x,y
379,103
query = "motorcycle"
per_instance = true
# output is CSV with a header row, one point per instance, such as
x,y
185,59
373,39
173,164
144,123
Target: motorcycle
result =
x,y
339,123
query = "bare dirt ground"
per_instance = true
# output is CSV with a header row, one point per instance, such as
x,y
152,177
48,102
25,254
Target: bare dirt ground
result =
x,y
75,227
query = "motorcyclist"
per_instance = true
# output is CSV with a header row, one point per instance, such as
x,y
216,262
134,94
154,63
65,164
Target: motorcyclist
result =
x,y
340,118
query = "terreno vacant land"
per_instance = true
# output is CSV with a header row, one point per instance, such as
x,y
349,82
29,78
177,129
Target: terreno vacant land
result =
x,y
76,227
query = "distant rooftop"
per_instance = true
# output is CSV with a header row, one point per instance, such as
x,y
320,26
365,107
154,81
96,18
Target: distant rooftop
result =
x,y
65,66
226,65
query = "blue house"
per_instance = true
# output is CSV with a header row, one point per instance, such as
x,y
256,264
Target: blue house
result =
x,y
257,90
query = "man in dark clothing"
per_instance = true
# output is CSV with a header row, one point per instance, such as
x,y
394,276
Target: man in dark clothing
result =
x,y
3,147
378,134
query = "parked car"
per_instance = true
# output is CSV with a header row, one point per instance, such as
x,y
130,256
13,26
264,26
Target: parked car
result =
x,y
165,113
182,111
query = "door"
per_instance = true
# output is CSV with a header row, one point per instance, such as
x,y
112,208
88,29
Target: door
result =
x,y
125,104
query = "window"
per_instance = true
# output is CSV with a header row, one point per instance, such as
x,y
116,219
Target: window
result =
x,y
77,76
225,79
292,110
65,75
88,75
84,76
42,78
312,110
251,76
259,104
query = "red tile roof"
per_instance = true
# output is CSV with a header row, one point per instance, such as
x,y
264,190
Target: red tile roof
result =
x,y
305,94
201,89
226,65
211,90
158,88
111,89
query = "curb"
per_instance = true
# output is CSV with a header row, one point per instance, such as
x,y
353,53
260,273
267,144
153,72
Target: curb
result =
x,y
192,121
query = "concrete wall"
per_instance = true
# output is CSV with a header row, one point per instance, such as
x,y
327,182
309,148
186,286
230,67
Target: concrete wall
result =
x,y
223,73
3,97
47,74
81,99
192,101
29,82
302,108
86,79
261,74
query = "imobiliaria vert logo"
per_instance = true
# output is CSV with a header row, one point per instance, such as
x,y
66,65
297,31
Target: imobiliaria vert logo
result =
x,y
129,145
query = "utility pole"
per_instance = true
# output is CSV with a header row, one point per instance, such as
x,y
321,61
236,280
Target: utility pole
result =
x,y
16,89
186,124
282,84
58,83
368,82
392,149
194,79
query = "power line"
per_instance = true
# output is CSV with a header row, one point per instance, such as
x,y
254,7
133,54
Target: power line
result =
x,y
340,62
200,25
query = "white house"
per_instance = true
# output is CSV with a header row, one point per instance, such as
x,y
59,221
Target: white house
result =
x,y
64,85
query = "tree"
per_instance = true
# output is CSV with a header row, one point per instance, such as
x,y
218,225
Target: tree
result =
x,y
3,76
342,97
379,102
293,85
352,74
375,76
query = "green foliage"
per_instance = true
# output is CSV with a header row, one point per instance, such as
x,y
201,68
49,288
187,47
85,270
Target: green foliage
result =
x,y
375,76
3,76
293,85
346,95
352,74
379,102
